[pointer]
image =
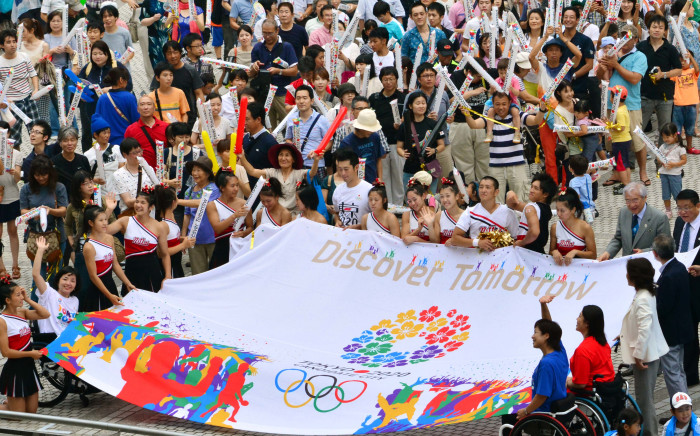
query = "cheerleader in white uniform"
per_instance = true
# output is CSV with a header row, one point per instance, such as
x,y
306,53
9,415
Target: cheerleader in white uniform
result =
x,y
307,203
223,212
166,204
442,228
379,219
100,261
272,212
413,227
19,379
571,236
145,240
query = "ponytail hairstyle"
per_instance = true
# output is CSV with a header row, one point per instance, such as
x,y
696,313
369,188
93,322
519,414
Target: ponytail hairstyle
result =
x,y
380,188
7,286
475,187
272,188
628,417
415,186
33,26
450,183
115,74
164,198
572,200
222,177
148,192
90,214
307,195
583,107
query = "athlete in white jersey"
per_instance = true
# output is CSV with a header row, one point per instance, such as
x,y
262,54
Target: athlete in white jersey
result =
x,y
479,220
424,232
523,226
447,226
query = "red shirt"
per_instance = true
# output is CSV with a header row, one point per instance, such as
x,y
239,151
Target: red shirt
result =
x,y
289,98
157,133
589,359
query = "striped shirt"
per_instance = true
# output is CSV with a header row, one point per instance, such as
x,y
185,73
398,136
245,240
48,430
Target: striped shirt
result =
x,y
503,152
21,86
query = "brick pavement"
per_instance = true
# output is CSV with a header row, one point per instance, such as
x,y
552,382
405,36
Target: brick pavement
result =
x,y
106,408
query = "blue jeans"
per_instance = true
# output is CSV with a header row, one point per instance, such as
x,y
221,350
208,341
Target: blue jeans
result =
x,y
684,118
670,186
407,176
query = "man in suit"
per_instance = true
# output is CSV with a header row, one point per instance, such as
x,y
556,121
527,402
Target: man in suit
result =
x,y
685,233
637,224
673,309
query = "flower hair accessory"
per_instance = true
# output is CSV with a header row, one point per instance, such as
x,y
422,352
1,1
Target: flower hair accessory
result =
x,y
378,182
446,181
148,189
226,169
5,280
413,181
267,183
298,184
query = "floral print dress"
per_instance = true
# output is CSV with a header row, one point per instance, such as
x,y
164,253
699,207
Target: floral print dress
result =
x,y
157,32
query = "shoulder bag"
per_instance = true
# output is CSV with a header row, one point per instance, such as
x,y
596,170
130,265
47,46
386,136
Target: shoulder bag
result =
x,y
433,167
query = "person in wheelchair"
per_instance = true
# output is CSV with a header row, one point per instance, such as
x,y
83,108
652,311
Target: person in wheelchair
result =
x,y
684,422
59,300
549,377
592,358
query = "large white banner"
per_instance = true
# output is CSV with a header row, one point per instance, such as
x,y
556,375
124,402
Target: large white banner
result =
x,y
316,330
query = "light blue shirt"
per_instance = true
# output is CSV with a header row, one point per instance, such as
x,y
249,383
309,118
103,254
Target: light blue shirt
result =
x,y
315,136
411,40
394,28
242,9
365,9
635,62
584,187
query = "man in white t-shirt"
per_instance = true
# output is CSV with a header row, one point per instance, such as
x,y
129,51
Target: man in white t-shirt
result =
x,y
484,217
350,199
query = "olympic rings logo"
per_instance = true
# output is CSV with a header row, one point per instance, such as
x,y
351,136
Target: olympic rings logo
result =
x,y
310,390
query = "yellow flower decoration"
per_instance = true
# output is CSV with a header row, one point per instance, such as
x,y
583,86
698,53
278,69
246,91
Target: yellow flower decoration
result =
x,y
406,316
435,325
460,337
383,324
407,330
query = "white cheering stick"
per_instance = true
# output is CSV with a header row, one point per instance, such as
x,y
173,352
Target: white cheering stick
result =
x,y
460,182
224,64
576,129
283,124
201,211
78,27
650,145
42,92
17,111
20,36
149,171
511,68
249,203
399,67
416,62
6,85
486,76
601,163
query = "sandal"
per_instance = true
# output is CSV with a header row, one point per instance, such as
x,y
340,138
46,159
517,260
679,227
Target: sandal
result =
x,y
15,273
610,182
646,182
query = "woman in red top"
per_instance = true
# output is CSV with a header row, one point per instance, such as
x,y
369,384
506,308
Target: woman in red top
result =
x,y
592,356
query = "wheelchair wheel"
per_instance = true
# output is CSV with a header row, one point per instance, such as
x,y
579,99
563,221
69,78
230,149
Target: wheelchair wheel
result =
x,y
580,425
594,414
54,381
539,425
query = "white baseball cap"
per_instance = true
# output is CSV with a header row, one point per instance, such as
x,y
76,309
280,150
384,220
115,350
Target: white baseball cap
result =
x,y
522,59
681,399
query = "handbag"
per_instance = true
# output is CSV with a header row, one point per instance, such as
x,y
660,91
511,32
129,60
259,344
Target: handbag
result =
x,y
53,238
433,167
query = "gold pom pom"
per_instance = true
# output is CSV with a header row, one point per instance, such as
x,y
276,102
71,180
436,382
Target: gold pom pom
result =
x,y
498,238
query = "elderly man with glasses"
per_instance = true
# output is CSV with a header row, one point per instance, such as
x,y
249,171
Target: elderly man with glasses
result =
x,y
637,224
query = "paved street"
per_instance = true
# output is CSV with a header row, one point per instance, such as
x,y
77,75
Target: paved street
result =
x,y
109,409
